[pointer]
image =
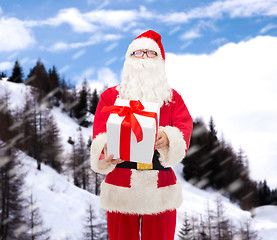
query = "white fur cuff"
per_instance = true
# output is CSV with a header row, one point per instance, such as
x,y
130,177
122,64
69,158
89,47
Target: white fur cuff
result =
x,y
177,146
99,166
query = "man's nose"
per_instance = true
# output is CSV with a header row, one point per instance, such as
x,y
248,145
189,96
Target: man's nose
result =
x,y
144,55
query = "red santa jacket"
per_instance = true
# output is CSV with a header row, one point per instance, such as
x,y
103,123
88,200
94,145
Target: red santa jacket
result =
x,y
143,191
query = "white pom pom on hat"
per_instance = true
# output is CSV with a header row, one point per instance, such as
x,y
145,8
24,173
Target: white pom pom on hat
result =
x,y
148,40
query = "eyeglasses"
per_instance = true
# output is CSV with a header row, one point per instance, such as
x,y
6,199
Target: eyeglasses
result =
x,y
140,54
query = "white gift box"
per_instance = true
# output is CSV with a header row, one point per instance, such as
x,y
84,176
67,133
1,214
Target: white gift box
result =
x,y
142,151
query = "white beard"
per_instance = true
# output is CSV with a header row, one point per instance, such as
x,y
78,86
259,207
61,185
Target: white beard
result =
x,y
145,79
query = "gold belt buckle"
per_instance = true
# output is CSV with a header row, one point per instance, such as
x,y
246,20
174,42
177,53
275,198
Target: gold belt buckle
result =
x,y
144,166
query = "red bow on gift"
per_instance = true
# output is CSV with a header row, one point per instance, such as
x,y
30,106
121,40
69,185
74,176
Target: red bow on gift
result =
x,y
130,122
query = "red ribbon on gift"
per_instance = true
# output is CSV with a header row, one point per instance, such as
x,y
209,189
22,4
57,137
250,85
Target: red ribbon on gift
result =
x,y
129,123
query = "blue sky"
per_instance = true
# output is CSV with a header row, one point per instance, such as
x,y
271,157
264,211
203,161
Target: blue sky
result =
x,y
80,37
220,56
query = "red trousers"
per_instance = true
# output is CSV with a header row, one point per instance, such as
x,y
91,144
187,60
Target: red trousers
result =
x,y
150,227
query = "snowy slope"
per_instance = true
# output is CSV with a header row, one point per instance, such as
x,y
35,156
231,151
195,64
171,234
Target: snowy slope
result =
x,y
265,222
62,205
17,93
69,128
196,201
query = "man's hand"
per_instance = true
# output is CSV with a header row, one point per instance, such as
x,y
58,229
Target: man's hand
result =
x,y
110,159
162,140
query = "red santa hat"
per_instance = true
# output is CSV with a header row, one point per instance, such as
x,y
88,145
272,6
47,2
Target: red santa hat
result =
x,y
148,40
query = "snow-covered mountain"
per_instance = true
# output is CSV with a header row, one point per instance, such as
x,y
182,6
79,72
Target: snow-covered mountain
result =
x,y
63,205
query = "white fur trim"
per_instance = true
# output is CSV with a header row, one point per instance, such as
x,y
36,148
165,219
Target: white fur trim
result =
x,y
144,179
100,166
177,146
140,200
143,43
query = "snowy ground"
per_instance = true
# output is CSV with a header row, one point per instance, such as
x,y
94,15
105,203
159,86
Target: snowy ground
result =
x,y
62,205
265,222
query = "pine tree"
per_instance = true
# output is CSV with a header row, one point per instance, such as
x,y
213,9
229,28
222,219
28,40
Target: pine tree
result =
x,y
12,222
17,73
73,162
214,163
32,120
26,126
80,163
246,232
80,110
3,75
6,117
69,98
51,142
39,79
202,230
264,193
94,102
185,232
90,231
54,84
194,158
30,77
36,229
223,225
210,220
212,128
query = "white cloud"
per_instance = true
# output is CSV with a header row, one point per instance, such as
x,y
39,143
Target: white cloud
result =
x,y
64,69
99,3
103,4
105,77
219,41
95,39
195,32
237,86
13,55
268,28
176,17
78,54
24,61
174,30
90,21
110,61
88,73
99,18
111,47
136,32
59,46
185,45
14,35
96,20
233,8
191,34
6,66
73,17
111,18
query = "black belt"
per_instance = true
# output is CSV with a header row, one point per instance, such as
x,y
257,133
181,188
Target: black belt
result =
x,y
156,165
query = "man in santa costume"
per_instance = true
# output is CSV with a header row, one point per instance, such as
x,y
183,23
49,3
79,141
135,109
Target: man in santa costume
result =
x,y
141,199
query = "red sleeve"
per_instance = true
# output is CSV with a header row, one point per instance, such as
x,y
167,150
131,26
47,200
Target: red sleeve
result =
x,y
107,98
181,117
